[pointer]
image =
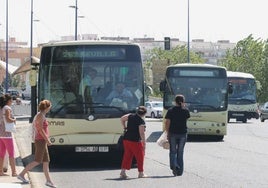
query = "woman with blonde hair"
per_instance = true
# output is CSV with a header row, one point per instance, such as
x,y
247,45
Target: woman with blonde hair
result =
x,y
42,142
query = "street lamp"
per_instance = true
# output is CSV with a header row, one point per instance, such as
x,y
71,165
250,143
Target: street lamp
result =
x,y
188,43
75,27
6,86
34,67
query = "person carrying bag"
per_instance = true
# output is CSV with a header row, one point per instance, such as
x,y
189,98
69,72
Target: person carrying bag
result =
x,y
6,138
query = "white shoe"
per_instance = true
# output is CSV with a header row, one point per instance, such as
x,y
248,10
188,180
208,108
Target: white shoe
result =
x,y
142,175
22,179
50,184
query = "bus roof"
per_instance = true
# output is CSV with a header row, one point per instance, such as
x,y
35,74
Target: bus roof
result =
x,y
196,65
88,42
239,74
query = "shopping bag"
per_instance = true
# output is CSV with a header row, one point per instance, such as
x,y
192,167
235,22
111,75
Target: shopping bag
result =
x,y
10,127
163,141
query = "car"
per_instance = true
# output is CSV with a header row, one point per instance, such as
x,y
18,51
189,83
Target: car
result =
x,y
14,93
264,112
154,109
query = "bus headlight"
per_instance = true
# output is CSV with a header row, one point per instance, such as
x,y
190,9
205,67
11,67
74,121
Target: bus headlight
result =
x,y
52,140
91,118
61,140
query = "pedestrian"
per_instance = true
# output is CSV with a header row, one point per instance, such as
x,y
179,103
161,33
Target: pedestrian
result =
x,y
6,138
134,141
41,139
5,165
176,127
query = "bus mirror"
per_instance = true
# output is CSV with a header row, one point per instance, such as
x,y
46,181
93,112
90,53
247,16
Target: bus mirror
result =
x,y
33,77
148,90
230,88
162,86
258,85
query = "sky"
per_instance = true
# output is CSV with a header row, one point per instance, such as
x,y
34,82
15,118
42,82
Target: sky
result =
x,y
211,20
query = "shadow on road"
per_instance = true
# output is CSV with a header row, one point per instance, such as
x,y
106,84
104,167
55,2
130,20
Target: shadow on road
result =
x,y
74,163
153,137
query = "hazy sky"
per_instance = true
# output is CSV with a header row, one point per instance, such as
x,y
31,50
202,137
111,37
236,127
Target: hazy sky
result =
x,y
211,20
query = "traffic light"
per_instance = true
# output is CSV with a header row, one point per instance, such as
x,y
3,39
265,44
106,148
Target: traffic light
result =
x,y
167,43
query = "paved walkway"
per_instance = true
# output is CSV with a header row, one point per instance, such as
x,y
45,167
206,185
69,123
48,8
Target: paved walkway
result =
x,y
13,182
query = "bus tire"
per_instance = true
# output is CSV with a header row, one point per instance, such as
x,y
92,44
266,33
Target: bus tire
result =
x,y
220,138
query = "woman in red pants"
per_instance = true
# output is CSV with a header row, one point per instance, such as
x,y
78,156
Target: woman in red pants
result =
x,y
134,141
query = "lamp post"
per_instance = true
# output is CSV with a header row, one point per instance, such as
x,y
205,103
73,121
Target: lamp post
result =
x,y
34,67
188,41
75,27
6,84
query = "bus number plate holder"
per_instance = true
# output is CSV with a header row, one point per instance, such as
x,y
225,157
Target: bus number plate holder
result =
x,y
91,149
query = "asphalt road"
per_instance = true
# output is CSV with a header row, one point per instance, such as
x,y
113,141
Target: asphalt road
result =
x,y
239,161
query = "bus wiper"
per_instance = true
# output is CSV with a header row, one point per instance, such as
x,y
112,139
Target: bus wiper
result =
x,y
193,102
116,107
242,99
203,107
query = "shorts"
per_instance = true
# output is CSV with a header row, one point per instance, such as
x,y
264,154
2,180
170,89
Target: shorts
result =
x,y
41,151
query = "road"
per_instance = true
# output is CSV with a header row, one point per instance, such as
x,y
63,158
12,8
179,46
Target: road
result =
x,y
240,161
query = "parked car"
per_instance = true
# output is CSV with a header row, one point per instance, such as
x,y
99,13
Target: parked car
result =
x,y
14,93
154,109
26,95
264,112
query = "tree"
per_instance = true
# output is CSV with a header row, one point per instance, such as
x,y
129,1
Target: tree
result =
x,y
176,55
251,56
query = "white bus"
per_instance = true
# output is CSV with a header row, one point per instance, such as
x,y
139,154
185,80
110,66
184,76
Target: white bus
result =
x,y
205,88
78,76
242,103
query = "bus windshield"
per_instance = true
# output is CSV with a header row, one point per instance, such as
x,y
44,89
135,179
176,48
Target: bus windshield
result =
x,y
205,88
244,90
202,94
82,80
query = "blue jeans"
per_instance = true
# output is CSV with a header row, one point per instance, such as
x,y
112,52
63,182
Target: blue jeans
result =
x,y
177,143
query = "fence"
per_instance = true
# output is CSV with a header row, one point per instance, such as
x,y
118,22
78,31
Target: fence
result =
x,y
23,109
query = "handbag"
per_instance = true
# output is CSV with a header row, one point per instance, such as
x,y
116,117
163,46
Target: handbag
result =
x,y
163,141
120,146
10,127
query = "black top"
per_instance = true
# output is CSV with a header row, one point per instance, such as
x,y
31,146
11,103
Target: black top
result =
x,y
178,117
133,123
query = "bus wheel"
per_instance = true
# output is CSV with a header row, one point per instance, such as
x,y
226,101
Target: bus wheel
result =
x,y
244,120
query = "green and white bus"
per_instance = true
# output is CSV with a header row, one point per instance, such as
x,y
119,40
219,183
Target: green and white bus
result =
x,y
242,103
205,88
83,120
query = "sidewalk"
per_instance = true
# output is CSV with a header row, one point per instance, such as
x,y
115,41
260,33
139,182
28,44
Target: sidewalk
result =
x,y
13,182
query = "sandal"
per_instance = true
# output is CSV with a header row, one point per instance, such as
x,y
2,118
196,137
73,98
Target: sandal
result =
x,y
3,174
123,176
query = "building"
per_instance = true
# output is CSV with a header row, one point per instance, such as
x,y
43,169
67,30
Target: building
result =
x,y
19,52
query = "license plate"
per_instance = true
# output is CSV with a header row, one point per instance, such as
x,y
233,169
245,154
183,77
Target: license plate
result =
x,y
239,115
91,149
197,130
